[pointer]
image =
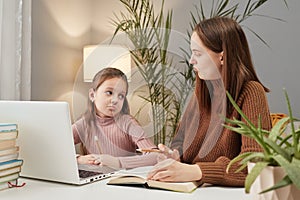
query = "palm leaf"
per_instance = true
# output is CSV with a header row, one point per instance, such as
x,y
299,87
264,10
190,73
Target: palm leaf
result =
x,y
256,35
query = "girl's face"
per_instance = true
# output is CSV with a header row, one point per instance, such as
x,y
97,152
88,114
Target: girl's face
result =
x,y
206,63
109,97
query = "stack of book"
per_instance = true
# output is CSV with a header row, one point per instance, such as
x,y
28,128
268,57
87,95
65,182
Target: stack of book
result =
x,y
10,165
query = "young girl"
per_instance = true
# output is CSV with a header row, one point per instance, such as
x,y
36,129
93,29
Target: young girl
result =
x,y
109,134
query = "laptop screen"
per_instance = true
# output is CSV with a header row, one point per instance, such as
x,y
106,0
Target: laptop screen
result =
x,y
45,139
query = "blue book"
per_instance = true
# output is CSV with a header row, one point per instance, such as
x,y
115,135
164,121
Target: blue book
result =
x,y
9,157
10,164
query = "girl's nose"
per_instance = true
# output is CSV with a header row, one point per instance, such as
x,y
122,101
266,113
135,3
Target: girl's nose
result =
x,y
114,99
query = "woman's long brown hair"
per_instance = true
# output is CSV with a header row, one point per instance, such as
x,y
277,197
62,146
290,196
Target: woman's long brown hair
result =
x,y
225,34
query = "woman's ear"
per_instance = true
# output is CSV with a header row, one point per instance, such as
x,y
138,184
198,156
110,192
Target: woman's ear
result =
x,y
222,58
91,94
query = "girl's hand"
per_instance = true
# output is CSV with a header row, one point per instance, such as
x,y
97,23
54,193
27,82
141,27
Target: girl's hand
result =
x,y
86,159
167,153
107,160
171,170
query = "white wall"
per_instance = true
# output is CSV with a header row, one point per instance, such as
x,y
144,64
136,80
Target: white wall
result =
x,y
62,27
278,66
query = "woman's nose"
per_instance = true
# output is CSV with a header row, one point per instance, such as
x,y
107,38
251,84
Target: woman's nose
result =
x,y
192,61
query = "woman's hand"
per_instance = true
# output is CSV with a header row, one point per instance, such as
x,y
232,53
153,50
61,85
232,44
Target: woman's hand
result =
x,y
167,153
86,159
171,170
107,160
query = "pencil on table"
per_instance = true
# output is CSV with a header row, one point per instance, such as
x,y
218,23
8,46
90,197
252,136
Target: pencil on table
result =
x,y
98,144
149,150
153,150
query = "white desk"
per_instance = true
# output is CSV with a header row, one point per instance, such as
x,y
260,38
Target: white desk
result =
x,y
43,190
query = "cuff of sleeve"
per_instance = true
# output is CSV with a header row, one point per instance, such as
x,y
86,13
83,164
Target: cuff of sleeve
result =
x,y
212,172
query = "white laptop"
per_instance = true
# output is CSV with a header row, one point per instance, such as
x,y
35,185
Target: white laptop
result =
x,y
46,141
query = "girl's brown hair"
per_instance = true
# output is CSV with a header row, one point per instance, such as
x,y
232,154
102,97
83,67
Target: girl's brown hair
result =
x,y
103,75
225,34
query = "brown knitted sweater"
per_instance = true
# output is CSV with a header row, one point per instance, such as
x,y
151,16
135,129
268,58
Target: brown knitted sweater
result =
x,y
227,144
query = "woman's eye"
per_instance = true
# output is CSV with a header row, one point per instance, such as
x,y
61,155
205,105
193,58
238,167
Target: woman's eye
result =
x,y
197,53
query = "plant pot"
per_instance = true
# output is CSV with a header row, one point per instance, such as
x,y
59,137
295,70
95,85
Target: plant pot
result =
x,y
269,177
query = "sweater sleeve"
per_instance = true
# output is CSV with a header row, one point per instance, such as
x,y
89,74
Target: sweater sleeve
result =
x,y
253,103
140,139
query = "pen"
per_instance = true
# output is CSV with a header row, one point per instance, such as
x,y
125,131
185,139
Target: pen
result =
x,y
98,144
153,150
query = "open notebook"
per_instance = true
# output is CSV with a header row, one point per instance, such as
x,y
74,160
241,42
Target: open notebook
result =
x,y
46,141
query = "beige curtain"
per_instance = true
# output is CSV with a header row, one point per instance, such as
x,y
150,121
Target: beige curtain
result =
x,y
15,49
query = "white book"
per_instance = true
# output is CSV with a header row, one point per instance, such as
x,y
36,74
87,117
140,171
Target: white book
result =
x,y
9,177
8,127
9,151
9,157
9,171
137,177
8,135
8,184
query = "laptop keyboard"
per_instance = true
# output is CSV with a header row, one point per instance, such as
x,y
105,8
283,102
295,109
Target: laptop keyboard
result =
x,y
85,174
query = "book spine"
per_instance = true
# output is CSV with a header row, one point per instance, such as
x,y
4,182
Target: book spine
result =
x,y
8,184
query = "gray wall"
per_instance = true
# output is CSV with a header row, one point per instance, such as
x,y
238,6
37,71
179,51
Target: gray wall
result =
x,y
60,29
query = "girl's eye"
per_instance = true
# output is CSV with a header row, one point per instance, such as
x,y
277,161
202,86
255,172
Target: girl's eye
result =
x,y
121,96
108,92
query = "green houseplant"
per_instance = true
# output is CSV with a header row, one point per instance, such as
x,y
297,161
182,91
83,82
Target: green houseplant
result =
x,y
280,149
149,32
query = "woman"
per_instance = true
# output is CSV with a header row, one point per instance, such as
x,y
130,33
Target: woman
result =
x,y
222,61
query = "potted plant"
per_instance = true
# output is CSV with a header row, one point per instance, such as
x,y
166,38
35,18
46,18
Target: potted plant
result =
x,y
149,33
165,90
280,156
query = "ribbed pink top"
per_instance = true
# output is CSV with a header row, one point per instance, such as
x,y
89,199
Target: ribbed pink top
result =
x,y
118,137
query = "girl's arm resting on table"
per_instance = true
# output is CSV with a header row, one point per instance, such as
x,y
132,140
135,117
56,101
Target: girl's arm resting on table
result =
x,y
86,159
148,159
107,160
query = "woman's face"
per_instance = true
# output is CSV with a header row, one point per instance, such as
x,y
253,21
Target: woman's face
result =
x,y
206,63
109,97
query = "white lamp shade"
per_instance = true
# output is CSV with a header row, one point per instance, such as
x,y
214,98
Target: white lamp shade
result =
x,y
97,57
